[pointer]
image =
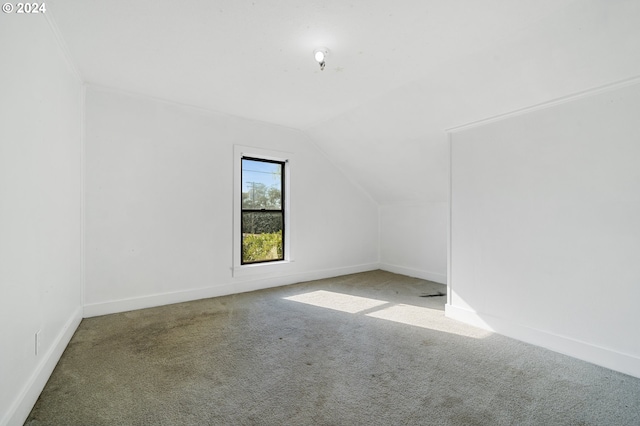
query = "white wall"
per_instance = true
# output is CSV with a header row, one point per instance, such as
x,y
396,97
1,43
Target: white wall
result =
x,y
159,205
413,240
40,209
545,236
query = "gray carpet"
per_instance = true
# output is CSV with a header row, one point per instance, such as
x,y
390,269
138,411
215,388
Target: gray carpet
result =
x,y
362,349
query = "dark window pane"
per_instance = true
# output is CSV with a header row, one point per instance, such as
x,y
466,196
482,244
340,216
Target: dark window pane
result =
x,y
262,236
261,185
261,222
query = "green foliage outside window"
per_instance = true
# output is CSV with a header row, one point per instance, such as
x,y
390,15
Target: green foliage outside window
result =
x,y
260,247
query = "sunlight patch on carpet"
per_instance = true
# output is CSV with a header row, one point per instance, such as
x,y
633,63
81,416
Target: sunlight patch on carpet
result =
x,y
337,301
412,315
432,319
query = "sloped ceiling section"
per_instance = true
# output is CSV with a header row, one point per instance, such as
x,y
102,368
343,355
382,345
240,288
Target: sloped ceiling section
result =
x,y
396,145
398,73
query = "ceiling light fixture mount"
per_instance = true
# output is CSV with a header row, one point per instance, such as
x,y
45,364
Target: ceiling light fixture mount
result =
x,y
320,55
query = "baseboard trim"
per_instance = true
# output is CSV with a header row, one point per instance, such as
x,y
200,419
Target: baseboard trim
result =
x,y
26,399
233,287
416,273
604,357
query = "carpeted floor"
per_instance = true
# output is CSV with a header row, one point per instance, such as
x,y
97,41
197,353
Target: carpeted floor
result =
x,y
362,349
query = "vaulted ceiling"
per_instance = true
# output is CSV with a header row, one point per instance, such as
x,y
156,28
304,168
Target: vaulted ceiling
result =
x,y
398,73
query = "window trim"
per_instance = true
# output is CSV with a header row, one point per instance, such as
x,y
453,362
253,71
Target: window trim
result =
x,y
271,267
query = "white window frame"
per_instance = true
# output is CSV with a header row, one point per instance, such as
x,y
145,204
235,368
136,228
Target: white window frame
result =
x,y
278,266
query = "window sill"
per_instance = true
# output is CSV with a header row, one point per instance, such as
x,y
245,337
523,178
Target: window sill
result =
x,y
261,268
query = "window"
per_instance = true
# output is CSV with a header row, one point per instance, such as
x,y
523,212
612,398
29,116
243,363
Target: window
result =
x,y
251,201
262,210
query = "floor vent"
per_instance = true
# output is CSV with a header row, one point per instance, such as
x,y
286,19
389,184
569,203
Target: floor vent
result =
x,y
438,294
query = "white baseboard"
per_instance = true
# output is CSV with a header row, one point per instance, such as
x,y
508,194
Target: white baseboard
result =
x,y
130,304
416,273
604,357
27,397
